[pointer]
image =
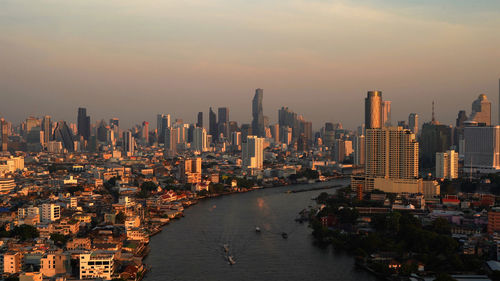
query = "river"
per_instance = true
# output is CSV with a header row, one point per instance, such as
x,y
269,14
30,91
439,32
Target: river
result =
x,y
191,248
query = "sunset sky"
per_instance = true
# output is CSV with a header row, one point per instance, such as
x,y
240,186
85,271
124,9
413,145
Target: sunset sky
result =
x,y
133,59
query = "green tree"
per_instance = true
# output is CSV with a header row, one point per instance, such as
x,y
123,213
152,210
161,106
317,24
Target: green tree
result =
x,y
59,239
25,232
441,226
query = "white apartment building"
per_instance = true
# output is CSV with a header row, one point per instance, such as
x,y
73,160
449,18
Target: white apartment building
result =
x,y
97,265
50,212
253,153
447,165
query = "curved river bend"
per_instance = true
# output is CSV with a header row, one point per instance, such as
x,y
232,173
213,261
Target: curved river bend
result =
x,y
192,249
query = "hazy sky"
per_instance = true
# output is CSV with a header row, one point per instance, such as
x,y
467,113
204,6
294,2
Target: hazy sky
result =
x,y
135,58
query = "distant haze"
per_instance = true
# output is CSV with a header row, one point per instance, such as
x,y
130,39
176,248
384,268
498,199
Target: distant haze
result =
x,y
133,59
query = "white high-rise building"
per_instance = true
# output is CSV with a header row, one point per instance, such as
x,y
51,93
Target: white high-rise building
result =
x,y
253,152
482,149
199,139
50,212
447,165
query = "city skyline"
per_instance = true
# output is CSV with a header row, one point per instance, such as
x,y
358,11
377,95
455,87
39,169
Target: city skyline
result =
x,y
187,118
133,60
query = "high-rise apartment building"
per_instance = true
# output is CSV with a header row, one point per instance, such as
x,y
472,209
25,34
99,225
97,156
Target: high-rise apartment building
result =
x,y
83,123
199,139
413,123
258,113
447,165
373,110
391,161
253,153
481,111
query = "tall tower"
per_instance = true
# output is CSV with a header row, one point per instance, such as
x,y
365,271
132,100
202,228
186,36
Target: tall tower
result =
x,y
223,122
145,131
4,135
413,123
212,124
162,124
83,123
46,128
373,108
481,110
258,114
128,143
199,122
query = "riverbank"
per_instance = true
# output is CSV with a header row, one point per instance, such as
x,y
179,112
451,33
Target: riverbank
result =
x,y
200,234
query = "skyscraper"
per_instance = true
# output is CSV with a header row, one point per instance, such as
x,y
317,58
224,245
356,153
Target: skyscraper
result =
x,y
4,135
199,122
481,111
145,131
212,124
63,134
373,109
386,113
128,143
253,153
171,140
434,137
162,123
223,122
482,149
199,139
359,150
413,123
47,129
258,113
83,123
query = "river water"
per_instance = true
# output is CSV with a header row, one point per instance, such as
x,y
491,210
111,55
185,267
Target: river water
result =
x,y
192,249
